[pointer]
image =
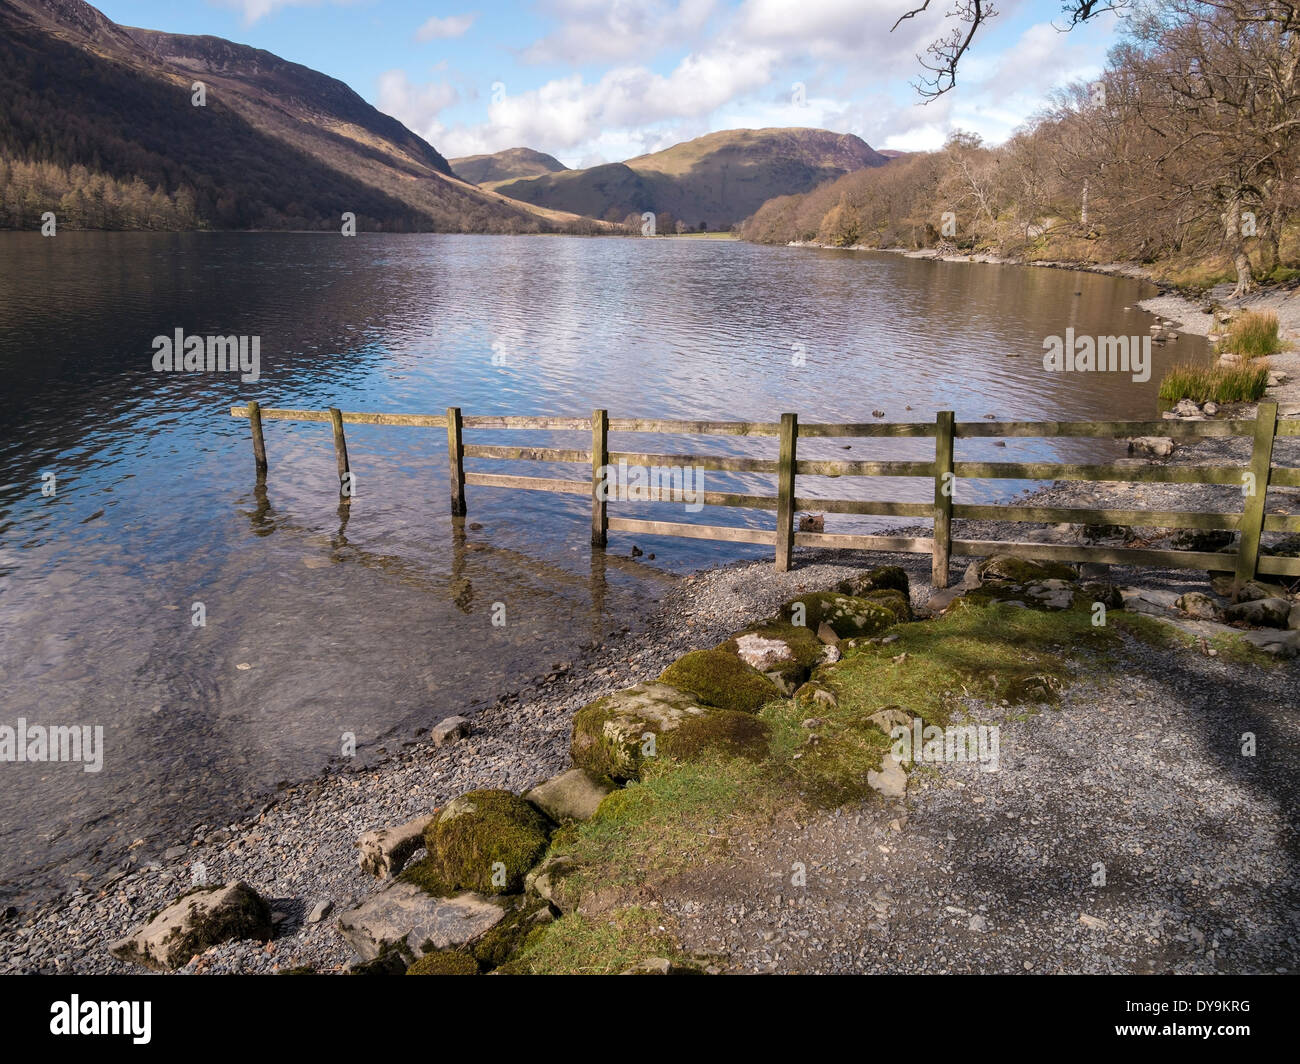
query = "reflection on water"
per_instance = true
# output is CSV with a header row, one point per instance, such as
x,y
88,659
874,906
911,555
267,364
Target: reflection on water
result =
x,y
375,618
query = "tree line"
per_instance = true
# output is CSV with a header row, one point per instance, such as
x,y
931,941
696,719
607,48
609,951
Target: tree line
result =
x,y
1183,151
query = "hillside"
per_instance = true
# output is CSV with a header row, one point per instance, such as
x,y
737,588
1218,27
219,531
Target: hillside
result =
x,y
502,166
97,123
718,179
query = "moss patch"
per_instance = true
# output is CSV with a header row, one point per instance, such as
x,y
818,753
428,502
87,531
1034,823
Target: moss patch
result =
x,y
444,962
610,734
725,733
719,678
884,578
484,841
607,944
1009,569
847,615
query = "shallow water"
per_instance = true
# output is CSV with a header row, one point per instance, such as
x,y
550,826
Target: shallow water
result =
x,y
375,620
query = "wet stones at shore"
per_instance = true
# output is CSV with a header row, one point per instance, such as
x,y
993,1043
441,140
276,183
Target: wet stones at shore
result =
x,y
196,921
450,730
385,851
572,795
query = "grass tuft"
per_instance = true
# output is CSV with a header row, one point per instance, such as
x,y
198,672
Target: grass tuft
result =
x,y
1219,384
1254,334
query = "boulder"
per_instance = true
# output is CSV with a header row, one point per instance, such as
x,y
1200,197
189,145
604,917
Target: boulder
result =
x,y
1272,641
1151,446
1249,591
450,730
610,734
1010,569
1186,408
784,653
483,841
572,795
194,922
1260,613
884,578
1199,605
720,678
846,615
385,851
412,922
897,602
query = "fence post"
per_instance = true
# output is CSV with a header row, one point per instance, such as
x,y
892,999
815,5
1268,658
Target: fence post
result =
x,y
785,492
456,456
259,443
944,485
341,453
599,459
1252,518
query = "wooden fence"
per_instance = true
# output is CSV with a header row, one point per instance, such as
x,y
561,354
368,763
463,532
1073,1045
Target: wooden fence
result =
x,y
1254,479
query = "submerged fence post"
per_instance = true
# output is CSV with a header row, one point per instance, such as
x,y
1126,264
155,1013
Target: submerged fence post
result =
x,y
456,456
944,485
1252,518
259,443
785,492
599,495
341,453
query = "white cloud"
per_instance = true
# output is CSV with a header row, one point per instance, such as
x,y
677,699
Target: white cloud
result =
x,y
417,106
441,29
605,31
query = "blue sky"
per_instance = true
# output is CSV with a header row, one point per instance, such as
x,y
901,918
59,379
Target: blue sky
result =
x,y
602,80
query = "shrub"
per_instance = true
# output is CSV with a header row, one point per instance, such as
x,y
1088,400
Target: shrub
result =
x,y
1254,334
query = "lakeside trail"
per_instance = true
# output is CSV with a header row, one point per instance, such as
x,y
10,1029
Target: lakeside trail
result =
x,y
1140,770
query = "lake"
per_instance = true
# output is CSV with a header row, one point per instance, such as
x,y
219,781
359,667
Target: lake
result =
x,y
376,620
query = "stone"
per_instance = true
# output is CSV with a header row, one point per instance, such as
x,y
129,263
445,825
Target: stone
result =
x,y
889,718
784,653
1186,408
175,853
1199,605
1260,613
1151,446
572,795
385,851
194,922
546,880
848,616
450,730
485,841
319,911
1282,644
891,780
610,734
412,922
720,678
1293,618
883,578
1010,569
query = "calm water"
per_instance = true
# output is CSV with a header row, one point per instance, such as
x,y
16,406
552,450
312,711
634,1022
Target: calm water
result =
x,y
377,621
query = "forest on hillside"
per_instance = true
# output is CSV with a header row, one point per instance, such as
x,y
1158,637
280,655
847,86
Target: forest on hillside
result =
x,y
1183,151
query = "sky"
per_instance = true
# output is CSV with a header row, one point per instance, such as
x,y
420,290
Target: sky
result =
x,y
593,81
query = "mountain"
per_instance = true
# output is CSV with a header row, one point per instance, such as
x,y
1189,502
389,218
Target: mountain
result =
x,y
718,179
508,165
97,123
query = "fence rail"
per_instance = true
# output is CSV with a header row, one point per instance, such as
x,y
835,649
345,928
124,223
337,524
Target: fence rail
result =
x,y
1255,478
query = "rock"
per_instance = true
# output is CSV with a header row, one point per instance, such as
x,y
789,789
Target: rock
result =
x,y
1260,613
847,616
319,911
883,578
1186,408
450,730
484,841
1151,446
784,653
1276,378
1282,644
385,851
609,735
1210,409
412,922
1010,569
812,523
1199,605
1293,618
889,718
977,923
175,853
895,601
545,880
720,678
195,922
661,966
891,780
827,634
572,795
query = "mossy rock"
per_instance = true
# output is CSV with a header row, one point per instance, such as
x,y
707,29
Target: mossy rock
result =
x,y
610,734
893,600
847,615
444,962
392,961
884,578
507,938
784,653
1287,547
1010,569
725,733
720,678
478,833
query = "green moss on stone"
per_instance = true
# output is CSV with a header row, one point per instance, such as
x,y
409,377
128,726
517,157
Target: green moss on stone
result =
x,y
884,578
444,962
474,836
723,733
1009,569
720,678
896,602
847,615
